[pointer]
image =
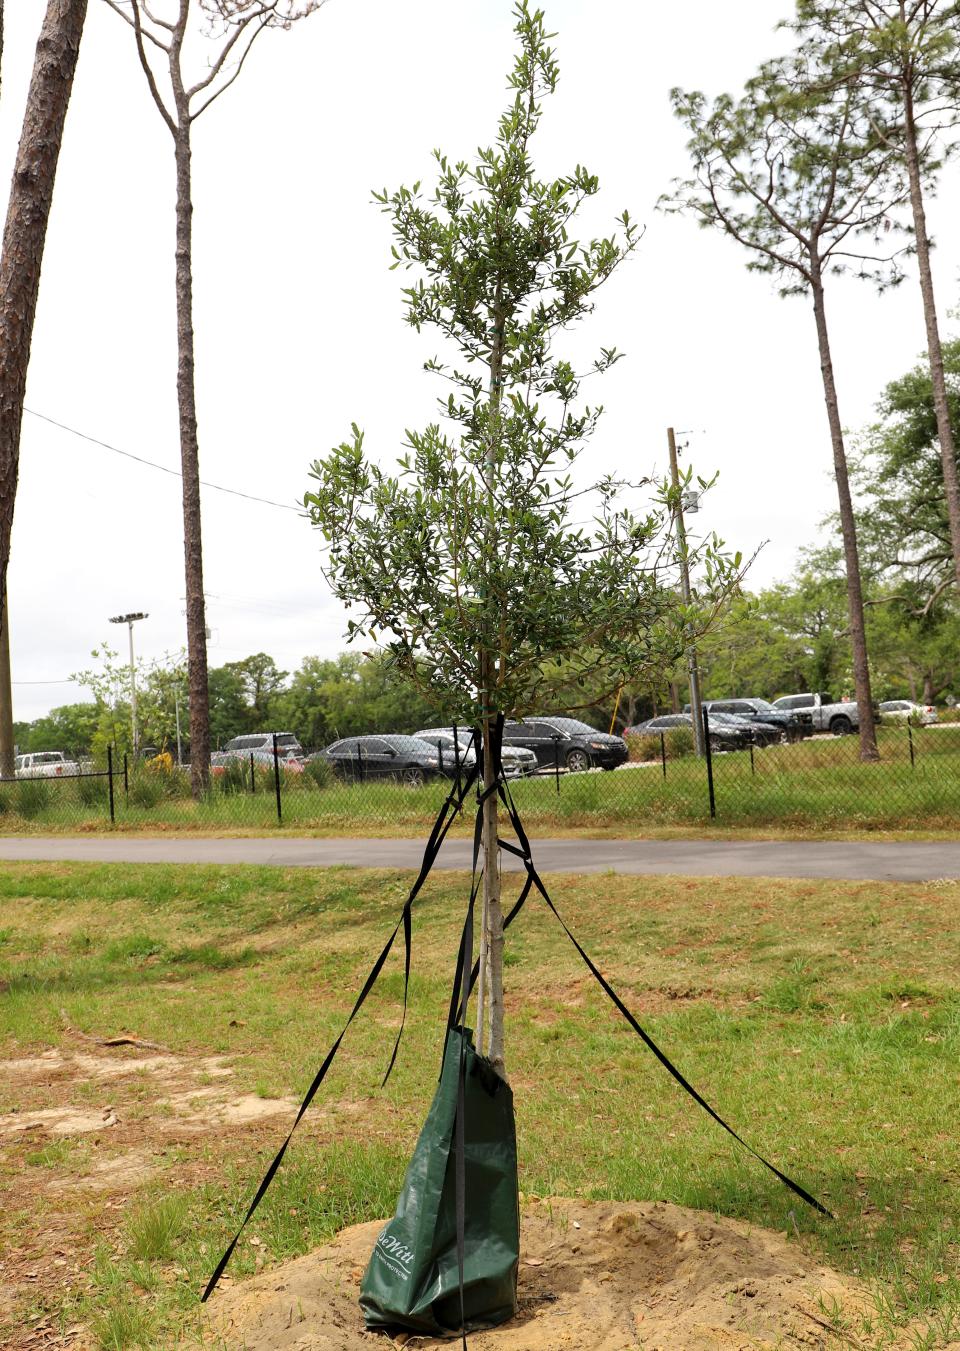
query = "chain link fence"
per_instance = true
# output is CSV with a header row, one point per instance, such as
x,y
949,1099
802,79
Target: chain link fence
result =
x,y
819,783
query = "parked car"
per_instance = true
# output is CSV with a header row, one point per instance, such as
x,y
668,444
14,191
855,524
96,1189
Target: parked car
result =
x,y
760,733
220,760
405,759
788,725
906,710
263,741
44,765
517,761
826,714
724,736
289,760
566,742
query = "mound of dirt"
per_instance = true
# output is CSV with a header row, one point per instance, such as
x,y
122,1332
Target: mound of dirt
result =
x,y
607,1276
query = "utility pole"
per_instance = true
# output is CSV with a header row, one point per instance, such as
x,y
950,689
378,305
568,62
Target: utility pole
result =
x,y
130,620
176,709
696,707
7,748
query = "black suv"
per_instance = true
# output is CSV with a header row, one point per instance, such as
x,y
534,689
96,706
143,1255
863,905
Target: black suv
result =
x,y
566,743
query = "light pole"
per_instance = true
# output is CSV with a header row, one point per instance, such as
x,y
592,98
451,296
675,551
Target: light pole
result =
x,y
696,706
130,620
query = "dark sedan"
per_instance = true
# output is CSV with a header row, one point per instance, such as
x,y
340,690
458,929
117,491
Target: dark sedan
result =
x,y
788,725
566,743
724,736
403,759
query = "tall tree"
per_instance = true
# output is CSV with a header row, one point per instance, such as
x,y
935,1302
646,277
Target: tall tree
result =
x,y
24,236
466,566
800,180
904,516
161,38
905,57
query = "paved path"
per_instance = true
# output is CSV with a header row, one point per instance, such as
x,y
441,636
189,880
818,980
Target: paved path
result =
x,y
923,860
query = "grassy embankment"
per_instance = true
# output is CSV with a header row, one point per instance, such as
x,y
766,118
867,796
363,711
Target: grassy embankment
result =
x,y
822,1019
816,787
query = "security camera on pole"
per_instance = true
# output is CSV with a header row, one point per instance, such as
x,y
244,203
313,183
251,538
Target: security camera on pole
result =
x,y
130,620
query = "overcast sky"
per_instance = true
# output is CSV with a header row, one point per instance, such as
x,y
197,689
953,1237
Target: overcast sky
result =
x,y
298,318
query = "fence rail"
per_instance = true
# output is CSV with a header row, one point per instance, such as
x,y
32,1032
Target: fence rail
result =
x,y
817,784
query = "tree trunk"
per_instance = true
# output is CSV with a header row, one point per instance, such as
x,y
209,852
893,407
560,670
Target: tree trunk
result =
x,y
928,692
190,468
25,232
492,935
848,528
7,745
490,992
948,453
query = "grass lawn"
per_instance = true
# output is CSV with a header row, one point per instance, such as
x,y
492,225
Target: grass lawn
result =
x,y
822,1019
818,787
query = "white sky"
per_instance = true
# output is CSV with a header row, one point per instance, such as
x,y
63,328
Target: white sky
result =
x,y
298,319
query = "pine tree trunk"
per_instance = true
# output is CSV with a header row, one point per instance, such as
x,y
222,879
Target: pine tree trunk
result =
x,y
848,529
190,468
948,452
24,236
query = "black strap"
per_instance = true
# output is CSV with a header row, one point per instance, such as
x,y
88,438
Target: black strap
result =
x,y
448,812
534,878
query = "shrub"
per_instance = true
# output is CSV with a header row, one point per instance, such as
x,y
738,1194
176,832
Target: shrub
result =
x,y
644,747
234,779
32,797
320,773
146,788
92,790
679,742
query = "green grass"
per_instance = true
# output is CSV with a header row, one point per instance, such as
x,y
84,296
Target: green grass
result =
x,y
816,786
821,1019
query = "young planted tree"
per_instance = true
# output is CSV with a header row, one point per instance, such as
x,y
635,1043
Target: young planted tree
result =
x,y
162,35
24,236
904,58
800,181
465,565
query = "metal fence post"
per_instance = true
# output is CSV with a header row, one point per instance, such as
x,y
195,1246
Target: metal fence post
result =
x,y
253,780
663,753
126,777
709,755
276,777
913,763
753,768
110,781
556,759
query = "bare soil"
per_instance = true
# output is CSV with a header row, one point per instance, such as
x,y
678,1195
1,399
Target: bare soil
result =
x,y
118,1112
603,1276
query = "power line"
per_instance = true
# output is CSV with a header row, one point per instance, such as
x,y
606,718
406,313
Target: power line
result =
x,y
152,464
46,682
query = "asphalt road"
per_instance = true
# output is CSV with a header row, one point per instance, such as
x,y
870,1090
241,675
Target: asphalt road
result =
x,y
923,860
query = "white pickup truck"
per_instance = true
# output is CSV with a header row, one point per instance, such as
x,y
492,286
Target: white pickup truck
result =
x,y
44,765
821,713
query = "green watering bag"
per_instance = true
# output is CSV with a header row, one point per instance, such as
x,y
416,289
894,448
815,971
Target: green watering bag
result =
x,y
413,1277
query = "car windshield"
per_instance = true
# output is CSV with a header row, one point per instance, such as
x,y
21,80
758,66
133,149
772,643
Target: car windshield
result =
x,y
464,743
572,726
763,704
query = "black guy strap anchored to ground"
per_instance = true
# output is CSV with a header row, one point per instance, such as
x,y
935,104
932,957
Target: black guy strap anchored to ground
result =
x,y
463,984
